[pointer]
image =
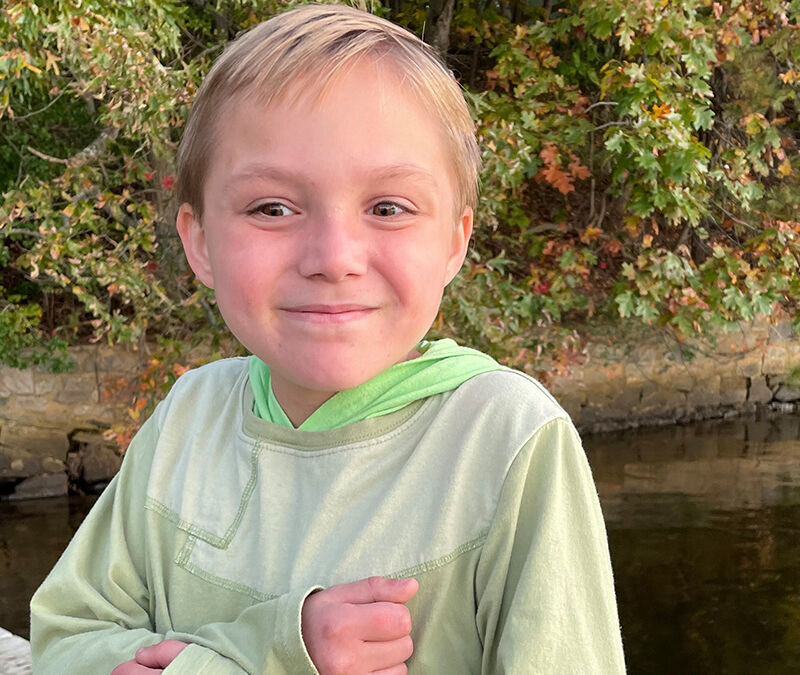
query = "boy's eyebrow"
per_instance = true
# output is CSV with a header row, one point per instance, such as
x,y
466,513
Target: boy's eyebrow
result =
x,y
403,170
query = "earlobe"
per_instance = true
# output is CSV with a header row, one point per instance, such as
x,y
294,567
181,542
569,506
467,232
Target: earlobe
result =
x,y
193,237
461,237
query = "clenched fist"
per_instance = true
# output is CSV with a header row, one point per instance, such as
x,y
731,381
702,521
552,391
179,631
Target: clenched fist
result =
x,y
361,627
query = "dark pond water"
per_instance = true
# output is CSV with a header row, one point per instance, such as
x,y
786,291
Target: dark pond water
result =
x,y
704,530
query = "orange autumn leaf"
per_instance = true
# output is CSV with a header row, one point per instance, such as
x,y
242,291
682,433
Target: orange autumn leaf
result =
x,y
549,154
558,178
577,169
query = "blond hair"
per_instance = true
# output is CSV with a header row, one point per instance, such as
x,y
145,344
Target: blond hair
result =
x,y
316,42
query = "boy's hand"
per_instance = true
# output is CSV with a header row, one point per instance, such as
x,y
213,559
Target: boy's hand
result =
x,y
360,627
151,660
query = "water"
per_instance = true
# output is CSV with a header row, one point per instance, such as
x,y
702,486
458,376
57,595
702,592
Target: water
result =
x,y
32,536
703,525
703,522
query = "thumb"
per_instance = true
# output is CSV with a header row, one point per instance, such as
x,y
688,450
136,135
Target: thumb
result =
x,y
374,589
160,655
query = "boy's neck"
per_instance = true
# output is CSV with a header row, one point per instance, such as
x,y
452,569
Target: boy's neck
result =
x,y
299,409
299,404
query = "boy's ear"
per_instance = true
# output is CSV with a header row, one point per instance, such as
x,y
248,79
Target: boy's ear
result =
x,y
193,237
461,235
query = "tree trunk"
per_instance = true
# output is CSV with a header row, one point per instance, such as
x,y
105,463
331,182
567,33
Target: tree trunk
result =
x,y
437,29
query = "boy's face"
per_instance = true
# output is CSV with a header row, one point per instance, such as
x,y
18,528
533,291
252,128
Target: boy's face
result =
x,y
328,232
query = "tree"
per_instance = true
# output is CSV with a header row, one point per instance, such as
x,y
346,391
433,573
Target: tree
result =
x,y
640,162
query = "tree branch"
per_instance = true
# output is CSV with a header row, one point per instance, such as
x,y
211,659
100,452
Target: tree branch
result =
x,y
47,158
36,112
90,153
610,124
27,233
600,103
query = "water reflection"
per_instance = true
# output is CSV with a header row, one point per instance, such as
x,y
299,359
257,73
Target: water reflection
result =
x,y
32,536
703,527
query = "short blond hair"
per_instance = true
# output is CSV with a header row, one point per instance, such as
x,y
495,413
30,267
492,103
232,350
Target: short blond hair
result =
x,y
316,42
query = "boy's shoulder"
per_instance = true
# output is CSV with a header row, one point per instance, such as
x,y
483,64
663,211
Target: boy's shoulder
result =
x,y
511,391
206,387
491,417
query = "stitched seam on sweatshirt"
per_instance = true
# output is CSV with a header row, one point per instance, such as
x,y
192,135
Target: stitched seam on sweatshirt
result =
x,y
427,566
201,533
184,525
228,584
246,494
186,551
352,444
431,565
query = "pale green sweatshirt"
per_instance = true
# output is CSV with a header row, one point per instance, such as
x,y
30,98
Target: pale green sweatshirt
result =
x,y
220,524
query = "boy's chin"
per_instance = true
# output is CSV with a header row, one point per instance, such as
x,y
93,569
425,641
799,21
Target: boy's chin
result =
x,y
335,372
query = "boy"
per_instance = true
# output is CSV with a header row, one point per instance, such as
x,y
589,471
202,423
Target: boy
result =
x,y
349,499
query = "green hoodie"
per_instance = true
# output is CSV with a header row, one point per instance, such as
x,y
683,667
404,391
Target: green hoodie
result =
x,y
442,366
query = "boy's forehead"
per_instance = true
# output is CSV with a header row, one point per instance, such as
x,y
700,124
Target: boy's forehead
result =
x,y
254,130
378,84
257,168
378,75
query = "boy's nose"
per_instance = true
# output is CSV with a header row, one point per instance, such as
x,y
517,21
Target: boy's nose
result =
x,y
334,248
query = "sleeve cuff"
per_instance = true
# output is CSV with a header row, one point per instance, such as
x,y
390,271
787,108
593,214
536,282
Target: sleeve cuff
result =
x,y
289,647
196,660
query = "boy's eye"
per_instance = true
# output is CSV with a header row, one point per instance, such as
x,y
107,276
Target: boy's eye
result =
x,y
387,209
273,209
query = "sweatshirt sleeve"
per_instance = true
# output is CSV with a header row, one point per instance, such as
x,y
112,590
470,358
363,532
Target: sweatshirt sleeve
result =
x,y
544,586
94,610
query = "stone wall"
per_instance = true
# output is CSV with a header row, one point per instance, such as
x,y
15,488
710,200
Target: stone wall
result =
x,y
51,425
650,378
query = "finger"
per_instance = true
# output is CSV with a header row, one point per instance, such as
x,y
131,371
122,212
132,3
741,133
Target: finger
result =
x,y
379,656
374,589
160,655
133,668
381,621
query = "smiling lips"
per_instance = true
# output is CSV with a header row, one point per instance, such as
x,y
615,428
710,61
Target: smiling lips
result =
x,y
328,313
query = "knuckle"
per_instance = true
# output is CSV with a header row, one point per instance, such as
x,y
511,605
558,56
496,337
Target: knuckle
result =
x,y
330,628
408,647
404,619
334,624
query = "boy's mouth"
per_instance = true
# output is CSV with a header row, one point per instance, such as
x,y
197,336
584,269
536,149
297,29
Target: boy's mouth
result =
x,y
328,313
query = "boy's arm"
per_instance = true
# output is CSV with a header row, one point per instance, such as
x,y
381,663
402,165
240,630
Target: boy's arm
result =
x,y
94,609
544,587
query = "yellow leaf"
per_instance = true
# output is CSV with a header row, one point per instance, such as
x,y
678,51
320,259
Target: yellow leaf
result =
x,y
33,69
51,62
785,168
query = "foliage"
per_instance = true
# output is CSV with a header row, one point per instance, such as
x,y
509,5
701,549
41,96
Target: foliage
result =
x,y
641,160
164,366
640,163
